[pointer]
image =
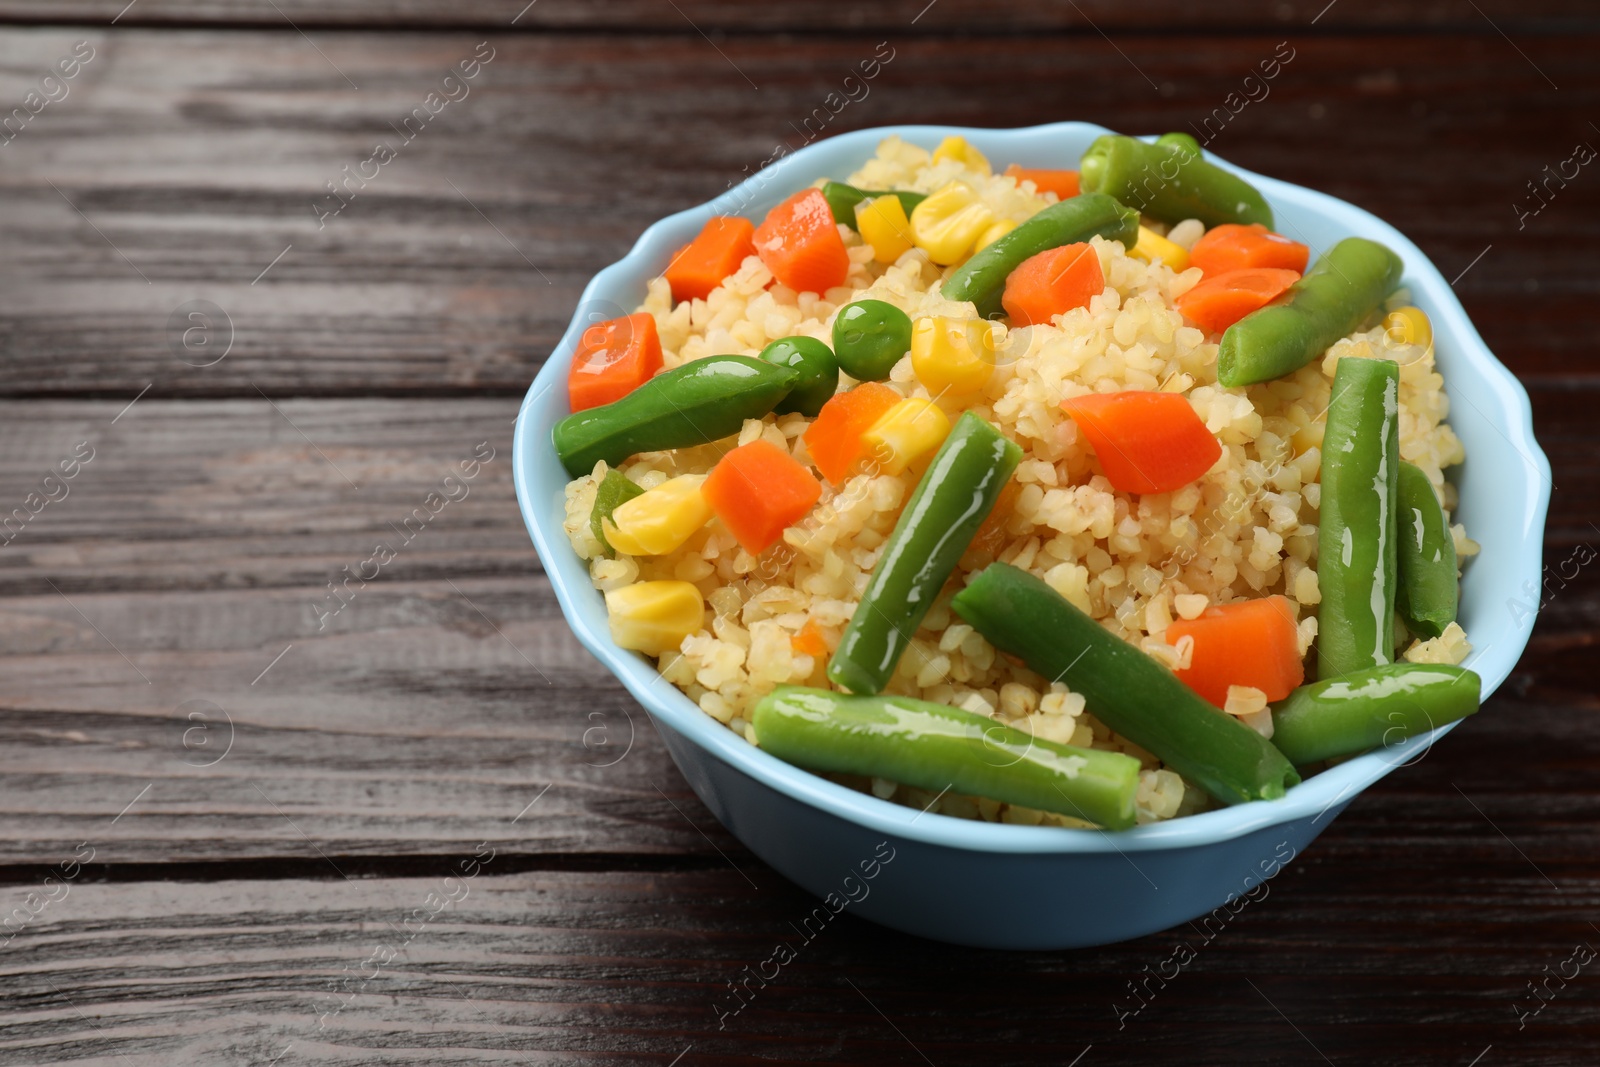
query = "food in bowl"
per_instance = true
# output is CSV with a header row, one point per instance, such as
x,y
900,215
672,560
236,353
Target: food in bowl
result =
x,y
1006,495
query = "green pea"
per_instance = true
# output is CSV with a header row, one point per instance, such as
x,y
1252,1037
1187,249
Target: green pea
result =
x,y
819,373
869,337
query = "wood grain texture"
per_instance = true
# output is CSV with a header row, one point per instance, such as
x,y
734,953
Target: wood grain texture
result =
x,y
818,16
176,172
196,546
1360,962
228,897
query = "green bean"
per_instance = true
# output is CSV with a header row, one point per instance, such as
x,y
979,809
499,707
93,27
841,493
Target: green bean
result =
x,y
1365,709
818,370
1426,557
1125,689
842,200
982,279
869,338
614,490
1343,287
1356,531
949,504
938,748
702,401
1170,180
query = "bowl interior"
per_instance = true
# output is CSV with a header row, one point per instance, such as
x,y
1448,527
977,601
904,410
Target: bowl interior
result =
x,y
1504,485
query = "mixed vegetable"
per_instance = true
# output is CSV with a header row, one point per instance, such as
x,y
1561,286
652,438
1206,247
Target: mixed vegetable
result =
x,y
1384,544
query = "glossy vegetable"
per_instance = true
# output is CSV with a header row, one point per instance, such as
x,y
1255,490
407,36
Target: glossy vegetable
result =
x,y
869,338
958,148
949,504
1235,247
1410,326
1147,442
801,246
1356,531
842,200
834,439
1125,689
654,617
702,401
949,223
1425,561
659,520
1220,300
904,434
1246,642
1372,707
718,251
982,279
939,748
614,489
758,491
1343,288
1169,180
885,226
817,370
1064,183
952,356
1052,283
613,359
1154,248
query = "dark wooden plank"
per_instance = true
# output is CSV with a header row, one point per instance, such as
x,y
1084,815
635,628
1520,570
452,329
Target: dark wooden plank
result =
x,y
186,163
984,16
1421,958
194,548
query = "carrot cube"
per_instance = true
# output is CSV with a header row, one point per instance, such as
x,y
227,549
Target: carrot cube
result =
x,y
758,490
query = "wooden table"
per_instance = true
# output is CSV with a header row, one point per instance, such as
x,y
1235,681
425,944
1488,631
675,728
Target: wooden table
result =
x,y
244,829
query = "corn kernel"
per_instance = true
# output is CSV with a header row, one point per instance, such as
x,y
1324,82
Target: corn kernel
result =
x,y
952,355
960,149
905,433
1154,248
994,233
654,617
1409,326
949,222
661,519
883,224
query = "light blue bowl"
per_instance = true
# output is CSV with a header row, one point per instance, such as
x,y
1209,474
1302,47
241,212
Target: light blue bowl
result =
x,y
1026,887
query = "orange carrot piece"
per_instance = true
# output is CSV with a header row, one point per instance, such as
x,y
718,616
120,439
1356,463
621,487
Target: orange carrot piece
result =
x,y
834,437
717,252
810,641
1235,247
1146,442
1248,642
613,359
1064,183
1054,281
758,491
1221,300
800,244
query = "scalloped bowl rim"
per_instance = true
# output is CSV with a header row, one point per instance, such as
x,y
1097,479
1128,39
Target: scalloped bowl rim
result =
x,y
1312,798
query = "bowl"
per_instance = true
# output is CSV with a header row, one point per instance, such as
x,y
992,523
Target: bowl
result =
x,y
1029,887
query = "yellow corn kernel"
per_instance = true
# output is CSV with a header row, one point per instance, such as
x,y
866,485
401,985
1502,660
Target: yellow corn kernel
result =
x,y
660,519
960,149
994,233
654,617
905,433
952,355
883,224
1154,248
1409,326
949,223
